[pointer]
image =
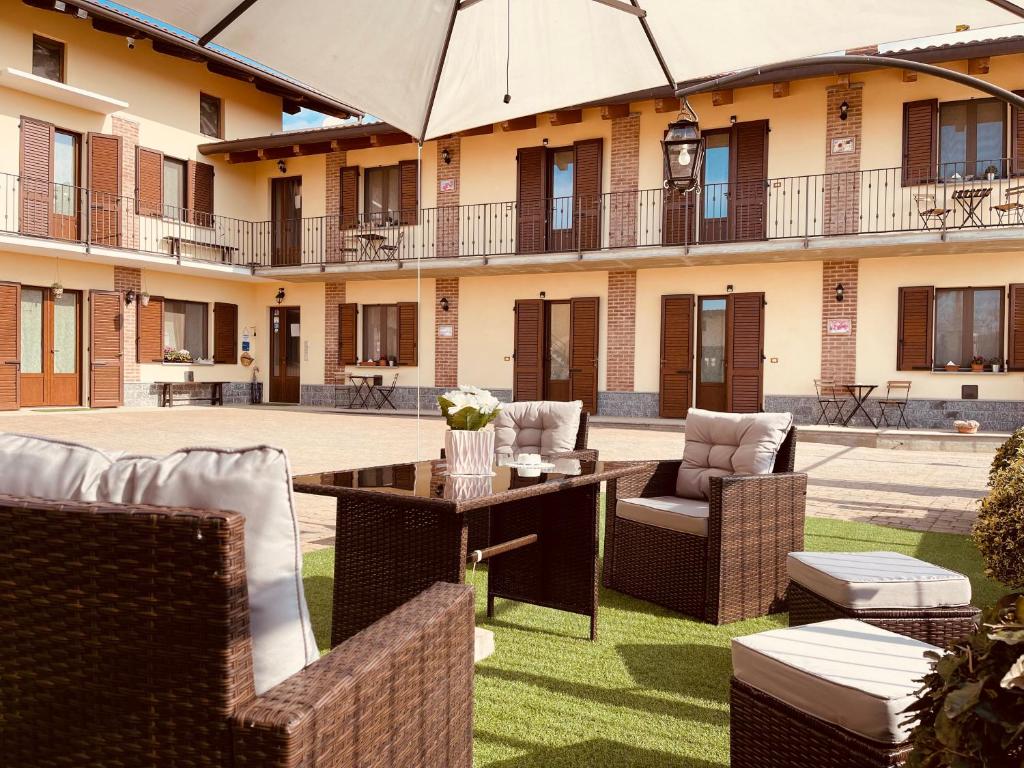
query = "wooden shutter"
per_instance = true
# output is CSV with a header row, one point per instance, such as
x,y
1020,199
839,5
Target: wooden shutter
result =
x,y
914,340
106,346
149,182
531,186
676,379
583,350
408,171
1017,139
528,358
920,121
150,339
36,175
105,189
408,334
749,196
225,333
744,375
347,314
200,193
348,190
1015,361
10,346
587,184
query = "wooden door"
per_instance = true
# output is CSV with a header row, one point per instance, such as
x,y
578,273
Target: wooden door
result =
x,y
286,220
528,357
745,353
748,180
676,375
106,349
531,209
50,347
105,189
584,351
10,346
712,352
285,345
557,348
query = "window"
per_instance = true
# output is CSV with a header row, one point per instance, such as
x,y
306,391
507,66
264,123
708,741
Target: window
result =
x,y
968,323
210,116
66,170
562,170
174,188
185,327
48,58
380,332
382,196
972,138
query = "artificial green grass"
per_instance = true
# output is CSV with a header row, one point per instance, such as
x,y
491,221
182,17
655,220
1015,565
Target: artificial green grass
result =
x,y
652,691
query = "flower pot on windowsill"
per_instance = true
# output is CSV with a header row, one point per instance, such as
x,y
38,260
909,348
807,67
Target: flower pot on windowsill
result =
x,y
977,367
952,367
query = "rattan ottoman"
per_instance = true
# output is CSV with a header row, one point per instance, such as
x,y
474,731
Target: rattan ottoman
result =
x,y
896,592
828,695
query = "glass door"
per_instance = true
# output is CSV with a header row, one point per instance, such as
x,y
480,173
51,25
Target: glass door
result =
x,y
51,347
285,346
64,221
561,216
711,351
556,358
715,213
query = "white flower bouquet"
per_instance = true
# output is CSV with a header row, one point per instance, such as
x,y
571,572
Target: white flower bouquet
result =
x,y
468,408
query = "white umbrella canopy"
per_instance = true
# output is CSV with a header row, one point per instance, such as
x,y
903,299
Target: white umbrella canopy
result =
x,y
433,67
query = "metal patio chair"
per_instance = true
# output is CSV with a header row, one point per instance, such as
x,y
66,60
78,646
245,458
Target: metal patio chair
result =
x,y
929,213
389,251
897,397
1011,210
830,395
382,395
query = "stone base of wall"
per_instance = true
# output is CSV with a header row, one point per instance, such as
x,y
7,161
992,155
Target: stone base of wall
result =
x,y
636,404
142,394
404,398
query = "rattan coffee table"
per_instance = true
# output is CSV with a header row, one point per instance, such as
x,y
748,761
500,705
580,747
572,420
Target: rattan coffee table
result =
x,y
402,527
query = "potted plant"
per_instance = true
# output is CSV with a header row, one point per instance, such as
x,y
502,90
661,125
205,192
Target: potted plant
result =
x,y
952,367
172,355
58,290
468,446
990,172
977,363
996,363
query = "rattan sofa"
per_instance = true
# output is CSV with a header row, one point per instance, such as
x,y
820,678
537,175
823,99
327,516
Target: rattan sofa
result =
x,y
738,570
124,641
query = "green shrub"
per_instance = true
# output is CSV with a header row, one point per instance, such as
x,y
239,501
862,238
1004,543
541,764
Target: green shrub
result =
x,y
999,530
1010,451
971,710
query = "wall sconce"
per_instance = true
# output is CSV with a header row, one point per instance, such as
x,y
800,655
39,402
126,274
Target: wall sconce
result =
x,y
732,119
844,110
545,142
543,294
444,304
282,167
446,156
129,297
280,295
840,292
728,288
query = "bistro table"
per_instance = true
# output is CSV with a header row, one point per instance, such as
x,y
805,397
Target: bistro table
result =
x,y
369,245
362,389
969,201
402,527
859,393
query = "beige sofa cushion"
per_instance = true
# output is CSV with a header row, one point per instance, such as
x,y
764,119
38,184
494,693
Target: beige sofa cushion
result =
x,y
49,469
538,426
671,512
722,444
863,580
844,671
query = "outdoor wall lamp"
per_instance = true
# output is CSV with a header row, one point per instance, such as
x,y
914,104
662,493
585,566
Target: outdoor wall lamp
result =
x,y
545,142
280,295
684,150
282,167
444,304
840,292
844,110
732,119
129,297
728,288
446,156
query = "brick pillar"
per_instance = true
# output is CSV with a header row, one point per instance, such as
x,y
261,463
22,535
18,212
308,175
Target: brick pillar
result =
x,y
446,349
126,279
621,330
841,214
839,351
335,240
334,296
447,235
625,178
128,130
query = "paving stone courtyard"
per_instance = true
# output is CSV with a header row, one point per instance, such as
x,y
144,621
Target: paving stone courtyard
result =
x,y
920,490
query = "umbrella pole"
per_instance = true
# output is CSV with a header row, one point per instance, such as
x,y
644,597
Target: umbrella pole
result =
x,y
419,256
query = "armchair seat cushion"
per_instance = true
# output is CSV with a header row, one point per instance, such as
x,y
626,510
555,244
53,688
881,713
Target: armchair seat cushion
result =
x,y
671,512
723,444
537,427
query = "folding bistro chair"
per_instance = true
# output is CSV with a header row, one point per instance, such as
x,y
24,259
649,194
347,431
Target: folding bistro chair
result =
x,y
390,251
929,213
829,395
383,394
897,395
1011,210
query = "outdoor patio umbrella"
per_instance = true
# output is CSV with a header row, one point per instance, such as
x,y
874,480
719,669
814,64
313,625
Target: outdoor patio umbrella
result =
x,y
434,67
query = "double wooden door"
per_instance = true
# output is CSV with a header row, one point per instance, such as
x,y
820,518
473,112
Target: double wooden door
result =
x,y
51,347
285,351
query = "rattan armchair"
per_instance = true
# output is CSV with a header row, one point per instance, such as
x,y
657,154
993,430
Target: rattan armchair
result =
x,y
124,641
737,571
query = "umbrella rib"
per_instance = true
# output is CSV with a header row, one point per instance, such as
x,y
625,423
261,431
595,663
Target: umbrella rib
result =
x,y
456,6
1009,7
226,22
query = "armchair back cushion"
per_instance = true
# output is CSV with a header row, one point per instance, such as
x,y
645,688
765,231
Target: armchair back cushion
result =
x,y
722,444
49,469
539,426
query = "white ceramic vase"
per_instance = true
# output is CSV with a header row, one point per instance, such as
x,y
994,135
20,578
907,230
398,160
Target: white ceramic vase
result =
x,y
469,452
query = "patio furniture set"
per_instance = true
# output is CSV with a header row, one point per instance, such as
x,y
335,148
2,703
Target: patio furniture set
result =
x,y
365,391
969,202
834,397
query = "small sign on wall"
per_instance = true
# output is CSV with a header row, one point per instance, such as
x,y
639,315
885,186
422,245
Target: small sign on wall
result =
x,y
446,185
446,331
845,145
839,327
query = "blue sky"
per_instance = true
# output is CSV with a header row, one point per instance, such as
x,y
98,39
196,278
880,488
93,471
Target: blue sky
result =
x,y
304,118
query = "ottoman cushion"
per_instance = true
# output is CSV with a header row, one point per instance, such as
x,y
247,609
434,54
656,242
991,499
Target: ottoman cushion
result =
x,y
846,672
878,580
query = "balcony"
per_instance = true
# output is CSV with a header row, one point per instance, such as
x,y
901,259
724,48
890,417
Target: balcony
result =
x,y
795,208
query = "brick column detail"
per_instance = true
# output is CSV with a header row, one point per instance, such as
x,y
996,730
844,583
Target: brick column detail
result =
x,y
126,279
447,234
841,214
334,296
625,178
839,351
335,241
446,349
621,330
128,130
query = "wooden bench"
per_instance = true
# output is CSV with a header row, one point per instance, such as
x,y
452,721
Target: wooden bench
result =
x,y
227,252
167,399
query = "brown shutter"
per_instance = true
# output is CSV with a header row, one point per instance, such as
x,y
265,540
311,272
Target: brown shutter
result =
x,y
587,184
528,365
106,346
1017,139
36,174
105,189
225,333
347,333
1015,361
200,192
914,342
149,182
408,171
920,119
676,388
531,186
750,170
151,331
348,190
585,319
744,376
408,334
10,346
